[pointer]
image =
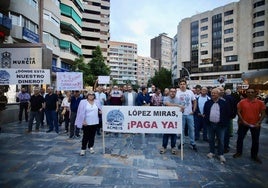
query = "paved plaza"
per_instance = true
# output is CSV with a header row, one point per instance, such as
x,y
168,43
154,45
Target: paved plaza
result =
x,y
48,160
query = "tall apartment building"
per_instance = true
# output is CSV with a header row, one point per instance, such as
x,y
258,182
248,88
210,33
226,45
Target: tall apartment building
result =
x,y
146,69
95,27
161,49
71,30
226,42
174,65
122,60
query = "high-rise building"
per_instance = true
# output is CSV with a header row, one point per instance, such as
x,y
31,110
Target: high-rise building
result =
x,y
95,27
146,69
122,59
161,49
224,43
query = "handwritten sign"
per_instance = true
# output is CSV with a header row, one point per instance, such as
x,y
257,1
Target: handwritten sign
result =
x,y
69,81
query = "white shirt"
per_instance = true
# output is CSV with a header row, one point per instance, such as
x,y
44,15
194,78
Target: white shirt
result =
x,y
92,117
201,103
65,103
185,99
130,101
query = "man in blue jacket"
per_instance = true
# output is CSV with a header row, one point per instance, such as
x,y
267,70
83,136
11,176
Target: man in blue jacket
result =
x,y
216,116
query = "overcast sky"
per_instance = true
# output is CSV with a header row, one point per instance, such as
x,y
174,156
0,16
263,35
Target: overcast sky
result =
x,y
138,21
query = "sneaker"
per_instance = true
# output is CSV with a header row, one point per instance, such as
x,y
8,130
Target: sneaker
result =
x,y
236,155
163,150
65,131
173,151
222,159
82,152
210,155
91,150
194,147
257,160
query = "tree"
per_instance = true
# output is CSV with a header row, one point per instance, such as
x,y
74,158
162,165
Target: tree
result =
x,y
161,79
97,65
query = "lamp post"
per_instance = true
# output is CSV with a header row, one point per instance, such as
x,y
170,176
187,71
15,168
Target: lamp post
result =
x,y
187,72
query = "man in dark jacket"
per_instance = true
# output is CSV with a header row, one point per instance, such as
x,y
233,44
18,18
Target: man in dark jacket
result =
x,y
216,116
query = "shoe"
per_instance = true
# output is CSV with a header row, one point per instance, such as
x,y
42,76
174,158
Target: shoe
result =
x,y
48,131
173,151
65,131
256,159
194,147
28,132
210,155
236,155
222,159
82,152
78,136
163,150
91,150
226,150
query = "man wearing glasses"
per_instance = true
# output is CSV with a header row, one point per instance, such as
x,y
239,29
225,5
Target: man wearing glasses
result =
x,y
251,113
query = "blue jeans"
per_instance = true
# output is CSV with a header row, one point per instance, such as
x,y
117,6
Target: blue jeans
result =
x,y
173,138
189,119
52,120
199,124
216,130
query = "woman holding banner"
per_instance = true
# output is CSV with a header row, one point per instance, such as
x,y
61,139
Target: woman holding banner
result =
x,y
87,117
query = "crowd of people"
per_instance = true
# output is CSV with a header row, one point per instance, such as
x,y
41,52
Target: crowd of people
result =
x,y
207,114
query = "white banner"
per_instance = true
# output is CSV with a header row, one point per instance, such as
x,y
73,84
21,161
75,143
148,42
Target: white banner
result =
x,y
141,119
69,81
103,79
24,76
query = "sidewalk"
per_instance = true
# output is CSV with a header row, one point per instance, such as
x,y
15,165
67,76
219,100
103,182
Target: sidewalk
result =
x,y
131,160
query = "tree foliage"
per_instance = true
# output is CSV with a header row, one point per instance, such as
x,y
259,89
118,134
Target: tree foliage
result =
x,y
91,70
161,79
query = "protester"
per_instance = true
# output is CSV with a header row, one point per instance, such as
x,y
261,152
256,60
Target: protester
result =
x,y
156,98
23,98
216,116
42,115
171,100
115,97
36,105
74,103
143,98
129,97
51,109
3,100
251,113
187,99
66,110
87,117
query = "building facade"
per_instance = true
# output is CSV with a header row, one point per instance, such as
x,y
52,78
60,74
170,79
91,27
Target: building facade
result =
x,y
146,69
95,27
122,60
161,49
224,43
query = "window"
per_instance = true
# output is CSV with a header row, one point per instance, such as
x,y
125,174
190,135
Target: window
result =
x,y
15,19
226,31
204,52
204,28
231,58
257,14
227,13
204,20
257,44
227,22
204,44
258,4
258,34
260,55
258,24
229,39
204,36
229,48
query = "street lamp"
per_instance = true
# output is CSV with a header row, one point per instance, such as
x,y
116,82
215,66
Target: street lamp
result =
x,y
187,73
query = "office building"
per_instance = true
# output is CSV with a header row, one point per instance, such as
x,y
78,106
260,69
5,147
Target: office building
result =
x,y
228,43
146,69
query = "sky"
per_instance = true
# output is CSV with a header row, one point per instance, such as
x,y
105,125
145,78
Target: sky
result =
x,y
138,21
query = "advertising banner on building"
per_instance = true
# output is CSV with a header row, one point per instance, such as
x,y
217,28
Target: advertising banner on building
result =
x,y
21,58
141,119
68,81
24,76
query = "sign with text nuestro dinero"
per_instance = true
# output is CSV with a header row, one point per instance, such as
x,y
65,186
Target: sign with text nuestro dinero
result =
x,y
142,119
24,76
